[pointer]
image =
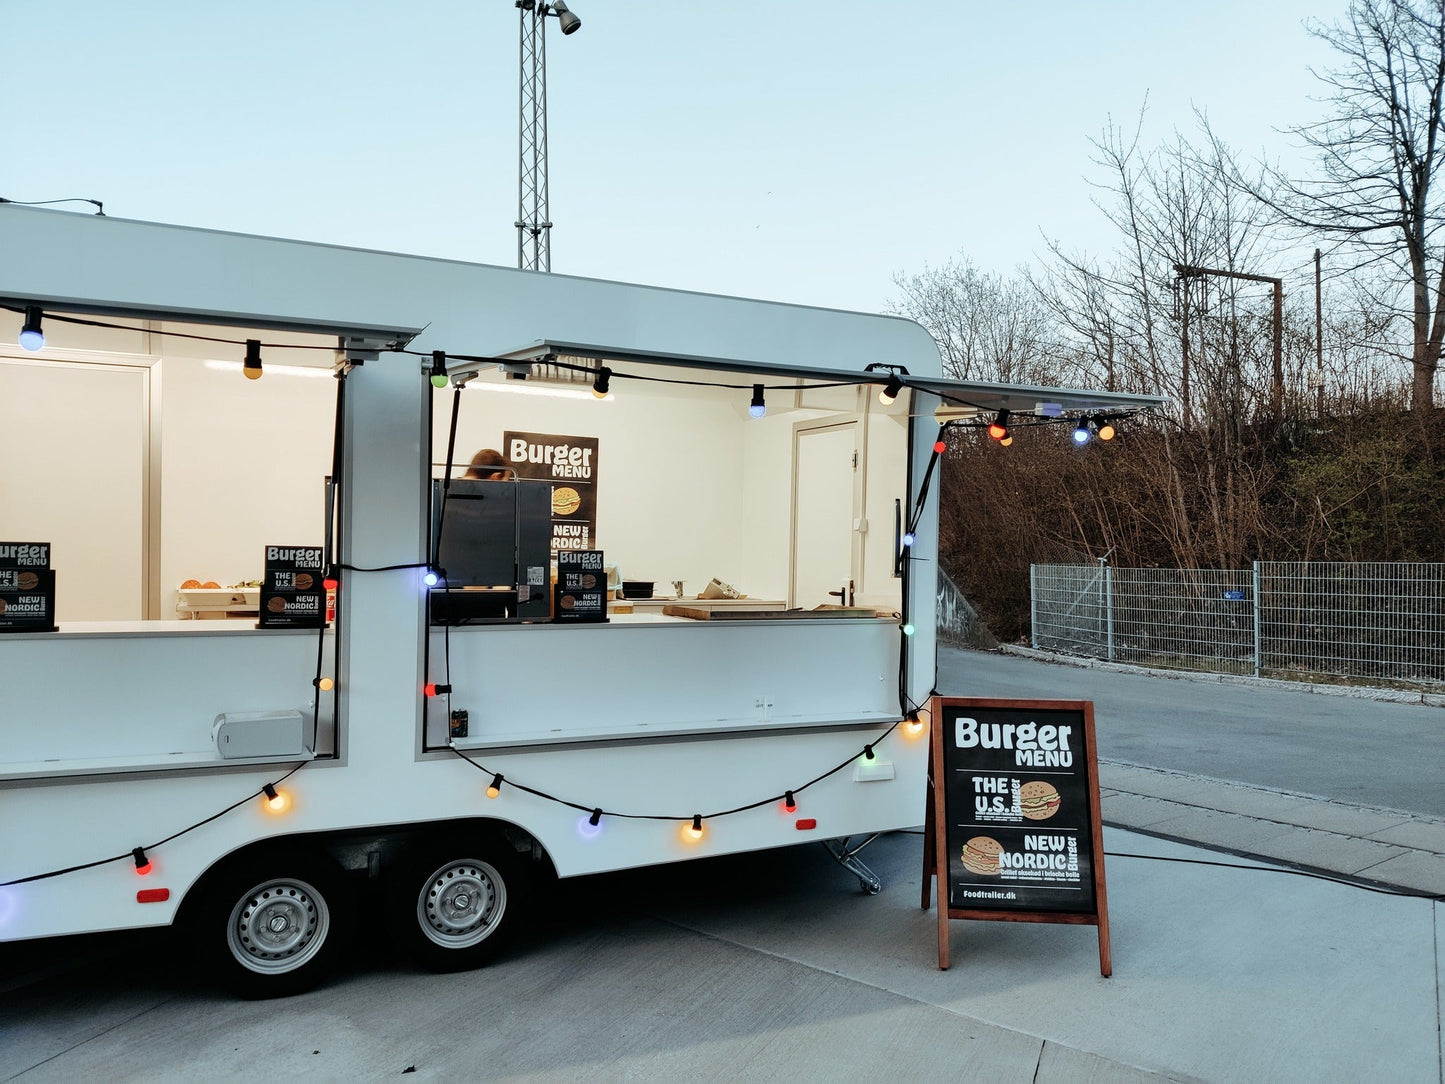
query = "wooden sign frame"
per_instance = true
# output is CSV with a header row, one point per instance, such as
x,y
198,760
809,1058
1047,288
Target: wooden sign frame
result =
x,y
936,822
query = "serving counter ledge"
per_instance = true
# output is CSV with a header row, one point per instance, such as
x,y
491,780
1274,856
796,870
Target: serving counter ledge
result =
x,y
102,698
654,677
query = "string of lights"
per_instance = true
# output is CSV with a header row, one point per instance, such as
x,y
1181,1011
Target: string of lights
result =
x,y
273,800
37,313
276,801
32,337
787,798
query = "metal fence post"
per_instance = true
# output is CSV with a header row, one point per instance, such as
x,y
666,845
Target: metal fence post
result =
x,y
1034,605
1109,606
1258,640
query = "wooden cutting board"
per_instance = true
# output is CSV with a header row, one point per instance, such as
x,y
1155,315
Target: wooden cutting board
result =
x,y
697,613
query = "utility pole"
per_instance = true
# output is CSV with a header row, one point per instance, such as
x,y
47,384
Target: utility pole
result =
x,y
1188,271
1319,380
534,225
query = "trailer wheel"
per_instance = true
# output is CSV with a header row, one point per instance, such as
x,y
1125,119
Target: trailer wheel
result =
x,y
455,905
274,926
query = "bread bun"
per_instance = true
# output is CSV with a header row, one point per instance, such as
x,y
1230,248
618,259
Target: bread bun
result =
x,y
1038,800
565,501
980,855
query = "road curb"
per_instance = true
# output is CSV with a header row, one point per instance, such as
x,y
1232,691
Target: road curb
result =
x,y
1358,692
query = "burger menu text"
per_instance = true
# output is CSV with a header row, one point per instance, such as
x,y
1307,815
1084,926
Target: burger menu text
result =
x,y
1019,827
570,463
27,587
293,594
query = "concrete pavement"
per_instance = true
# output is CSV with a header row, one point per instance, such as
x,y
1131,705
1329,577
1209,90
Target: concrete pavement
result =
x,y
774,967
1386,847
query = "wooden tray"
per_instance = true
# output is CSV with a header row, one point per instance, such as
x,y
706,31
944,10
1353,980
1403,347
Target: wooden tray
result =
x,y
697,613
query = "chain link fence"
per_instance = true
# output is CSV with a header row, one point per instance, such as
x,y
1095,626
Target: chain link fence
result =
x,y
1366,621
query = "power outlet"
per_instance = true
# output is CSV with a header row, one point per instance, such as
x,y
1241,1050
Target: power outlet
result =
x,y
763,705
458,724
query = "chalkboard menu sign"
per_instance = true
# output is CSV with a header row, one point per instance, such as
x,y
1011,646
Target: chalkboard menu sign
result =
x,y
293,595
1013,827
570,464
581,586
27,587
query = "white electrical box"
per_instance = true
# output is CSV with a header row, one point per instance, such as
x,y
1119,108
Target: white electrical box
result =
x,y
241,734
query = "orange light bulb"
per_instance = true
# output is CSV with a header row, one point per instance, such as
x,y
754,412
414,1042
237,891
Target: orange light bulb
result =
x,y
693,832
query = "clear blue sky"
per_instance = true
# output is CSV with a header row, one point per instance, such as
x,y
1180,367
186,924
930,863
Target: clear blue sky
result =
x,y
801,152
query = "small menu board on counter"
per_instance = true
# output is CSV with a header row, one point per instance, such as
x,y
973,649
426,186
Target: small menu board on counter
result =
x,y
581,592
1013,826
293,595
27,587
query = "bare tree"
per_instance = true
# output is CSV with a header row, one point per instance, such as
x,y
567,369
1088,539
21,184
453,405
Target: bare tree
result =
x,y
986,327
1377,155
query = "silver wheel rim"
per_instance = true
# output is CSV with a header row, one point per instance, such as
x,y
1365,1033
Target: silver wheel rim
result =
x,y
278,926
461,903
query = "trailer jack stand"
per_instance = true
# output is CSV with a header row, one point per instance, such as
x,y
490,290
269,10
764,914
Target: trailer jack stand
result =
x,y
847,857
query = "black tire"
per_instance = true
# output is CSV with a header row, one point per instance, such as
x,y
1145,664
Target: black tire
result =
x,y
455,904
275,924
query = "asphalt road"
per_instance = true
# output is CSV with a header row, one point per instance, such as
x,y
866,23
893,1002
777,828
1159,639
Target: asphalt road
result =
x,y
1347,749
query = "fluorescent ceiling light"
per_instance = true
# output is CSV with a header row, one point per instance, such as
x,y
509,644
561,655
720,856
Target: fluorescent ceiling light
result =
x,y
271,369
518,387
954,412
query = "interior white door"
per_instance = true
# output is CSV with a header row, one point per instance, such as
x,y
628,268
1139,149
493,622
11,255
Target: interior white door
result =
x,y
72,473
824,509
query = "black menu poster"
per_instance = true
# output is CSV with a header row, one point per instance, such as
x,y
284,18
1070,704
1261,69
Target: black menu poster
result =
x,y
292,593
581,587
1015,814
570,464
27,587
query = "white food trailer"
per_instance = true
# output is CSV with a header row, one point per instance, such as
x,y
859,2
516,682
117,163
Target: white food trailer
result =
x,y
241,781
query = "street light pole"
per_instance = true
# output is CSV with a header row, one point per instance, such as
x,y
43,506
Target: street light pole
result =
x,y
534,225
1186,271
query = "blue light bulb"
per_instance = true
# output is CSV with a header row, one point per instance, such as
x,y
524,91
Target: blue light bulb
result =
x,y
908,629
1081,434
431,579
32,337
909,539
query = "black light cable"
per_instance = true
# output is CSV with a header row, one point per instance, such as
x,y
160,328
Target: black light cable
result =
x,y
132,854
97,204
498,779
597,370
1280,869
172,334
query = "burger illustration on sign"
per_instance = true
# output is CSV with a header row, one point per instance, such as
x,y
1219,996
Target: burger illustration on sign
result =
x,y
980,855
565,501
1038,800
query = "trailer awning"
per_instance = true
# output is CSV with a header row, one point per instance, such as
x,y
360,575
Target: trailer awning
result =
x,y
961,398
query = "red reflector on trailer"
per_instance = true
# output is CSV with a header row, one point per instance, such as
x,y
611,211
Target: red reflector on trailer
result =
x,y
153,895
805,823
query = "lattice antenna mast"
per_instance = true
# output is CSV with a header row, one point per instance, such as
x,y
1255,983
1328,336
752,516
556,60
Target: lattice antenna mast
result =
x,y
534,223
